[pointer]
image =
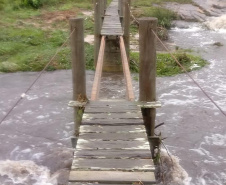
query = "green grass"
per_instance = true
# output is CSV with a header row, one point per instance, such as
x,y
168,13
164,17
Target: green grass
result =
x,y
144,3
28,47
148,8
165,16
166,66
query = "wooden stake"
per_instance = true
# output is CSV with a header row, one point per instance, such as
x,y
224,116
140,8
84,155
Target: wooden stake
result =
x,y
147,76
78,67
120,7
126,24
98,12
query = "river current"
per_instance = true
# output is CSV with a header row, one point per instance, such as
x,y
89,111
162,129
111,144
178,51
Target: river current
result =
x,y
35,146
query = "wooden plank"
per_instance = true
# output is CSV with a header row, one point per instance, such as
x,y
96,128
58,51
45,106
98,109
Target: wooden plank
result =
x,y
125,64
98,73
94,183
100,144
94,110
111,129
113,153
111,115
111,23
112,177
111,103
113,164
113,122
113,136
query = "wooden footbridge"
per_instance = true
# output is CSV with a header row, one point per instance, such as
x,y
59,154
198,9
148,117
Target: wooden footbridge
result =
x,y
114,139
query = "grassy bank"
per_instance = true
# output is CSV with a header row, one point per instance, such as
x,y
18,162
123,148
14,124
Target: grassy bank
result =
x,y
30,34
166,65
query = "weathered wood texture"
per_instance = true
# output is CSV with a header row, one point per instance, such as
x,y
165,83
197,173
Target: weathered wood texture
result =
x,y
98,73
147,77
78,66
114,153
112,25
125,64
126,24
78,58
112,177
98,14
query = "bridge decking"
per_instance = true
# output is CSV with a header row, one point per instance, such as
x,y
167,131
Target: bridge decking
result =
x,y
112,146
111,23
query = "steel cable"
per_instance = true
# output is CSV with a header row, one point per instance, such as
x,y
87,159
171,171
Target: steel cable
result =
x,y
36,79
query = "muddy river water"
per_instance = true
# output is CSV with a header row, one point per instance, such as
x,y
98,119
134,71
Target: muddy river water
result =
x,y
35,143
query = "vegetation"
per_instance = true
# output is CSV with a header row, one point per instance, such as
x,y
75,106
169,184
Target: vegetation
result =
x,y
164,16
166,66
29,36
154,8
32,31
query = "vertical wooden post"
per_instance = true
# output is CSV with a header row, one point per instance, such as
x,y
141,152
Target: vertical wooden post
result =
x,y
126,21
120,7
97,27
102,8
105,5
147,76
78,68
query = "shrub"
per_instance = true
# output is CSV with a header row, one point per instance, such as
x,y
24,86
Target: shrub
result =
x,y
33,3
166,66
2,4
164,16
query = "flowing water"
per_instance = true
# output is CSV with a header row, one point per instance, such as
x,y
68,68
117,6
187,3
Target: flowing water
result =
x,y
35,143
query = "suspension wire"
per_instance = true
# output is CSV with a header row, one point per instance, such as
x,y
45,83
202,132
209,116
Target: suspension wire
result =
x,y
131,13
183,68
36,79
188,74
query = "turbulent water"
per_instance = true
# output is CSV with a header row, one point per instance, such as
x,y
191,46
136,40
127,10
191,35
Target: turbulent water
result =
x,y
195,127
35,139
217,23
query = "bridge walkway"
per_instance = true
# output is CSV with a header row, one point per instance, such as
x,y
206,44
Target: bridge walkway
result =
x,y
113,147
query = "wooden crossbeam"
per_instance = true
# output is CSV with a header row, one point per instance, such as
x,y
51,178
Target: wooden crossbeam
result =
x,y
98,73
125,64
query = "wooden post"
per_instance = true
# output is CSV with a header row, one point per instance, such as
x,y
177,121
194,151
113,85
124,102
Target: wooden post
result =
x,y
78,68
126,24
120,7
105,5
147,76
98,10
102,8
